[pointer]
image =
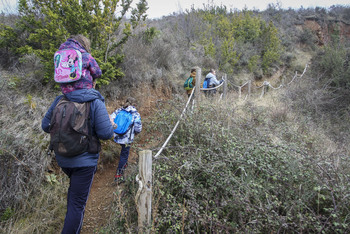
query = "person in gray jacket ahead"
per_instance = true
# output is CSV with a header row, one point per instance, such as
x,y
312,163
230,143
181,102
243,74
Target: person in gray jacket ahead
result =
x,y
213,82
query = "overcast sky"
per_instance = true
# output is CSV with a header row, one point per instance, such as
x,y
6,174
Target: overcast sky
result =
x,y
159,8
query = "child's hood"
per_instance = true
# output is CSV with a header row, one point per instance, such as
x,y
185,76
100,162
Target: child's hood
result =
x,y
131,109
72,44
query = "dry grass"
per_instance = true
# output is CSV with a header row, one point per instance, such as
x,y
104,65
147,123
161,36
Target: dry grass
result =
x,y
42,213
23,148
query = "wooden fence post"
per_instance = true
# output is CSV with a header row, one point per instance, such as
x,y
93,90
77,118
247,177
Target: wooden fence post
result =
x,y
265,88
225,86
197,94
249,87
144,194
262,91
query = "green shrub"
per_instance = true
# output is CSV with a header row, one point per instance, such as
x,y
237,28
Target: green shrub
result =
x,y
333,62
7,214
223,172
325,88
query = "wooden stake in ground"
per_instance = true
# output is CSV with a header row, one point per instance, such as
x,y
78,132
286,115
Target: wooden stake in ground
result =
x,y
225,86
143,197
197,94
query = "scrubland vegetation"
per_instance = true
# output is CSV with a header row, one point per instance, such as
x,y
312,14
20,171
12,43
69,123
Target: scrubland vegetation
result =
x,y
258,165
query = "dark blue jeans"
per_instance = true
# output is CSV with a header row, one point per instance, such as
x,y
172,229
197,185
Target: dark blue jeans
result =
x,y
78,192
124,155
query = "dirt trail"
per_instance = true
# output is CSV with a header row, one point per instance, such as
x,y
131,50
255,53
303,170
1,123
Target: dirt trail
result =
x,y
99,205
102,194
98,208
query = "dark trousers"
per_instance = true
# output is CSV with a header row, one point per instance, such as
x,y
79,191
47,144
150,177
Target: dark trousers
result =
x,y
78,192
210,93
124,155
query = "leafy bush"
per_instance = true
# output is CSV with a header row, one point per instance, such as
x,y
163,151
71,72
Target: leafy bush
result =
x,y
124,212
326,86
333,62
225,172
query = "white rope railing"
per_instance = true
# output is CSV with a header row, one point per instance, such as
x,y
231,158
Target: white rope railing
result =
x,y
213,87
172,132
277,87
265,84
240,88
296,75
241,85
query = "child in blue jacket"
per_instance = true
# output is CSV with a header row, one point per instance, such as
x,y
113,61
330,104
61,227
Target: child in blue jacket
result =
x,y
127,138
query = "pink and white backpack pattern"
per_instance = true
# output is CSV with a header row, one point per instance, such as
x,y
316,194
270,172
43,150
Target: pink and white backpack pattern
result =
x,y
68,65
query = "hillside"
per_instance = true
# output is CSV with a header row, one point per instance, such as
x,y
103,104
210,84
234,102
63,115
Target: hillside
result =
x,y
104,192
276,161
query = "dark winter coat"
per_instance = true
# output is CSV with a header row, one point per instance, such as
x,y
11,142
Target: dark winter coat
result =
x,y
101,125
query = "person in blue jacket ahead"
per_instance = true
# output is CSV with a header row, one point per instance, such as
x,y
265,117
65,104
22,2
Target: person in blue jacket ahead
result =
x,y
81,168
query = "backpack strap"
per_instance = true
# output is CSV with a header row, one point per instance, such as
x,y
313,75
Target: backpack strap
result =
x,y
131,127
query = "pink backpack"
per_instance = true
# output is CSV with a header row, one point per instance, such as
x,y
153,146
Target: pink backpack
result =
x,y
68,65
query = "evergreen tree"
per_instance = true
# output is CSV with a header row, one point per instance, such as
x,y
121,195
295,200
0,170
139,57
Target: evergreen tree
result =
x,y
271,47
45,24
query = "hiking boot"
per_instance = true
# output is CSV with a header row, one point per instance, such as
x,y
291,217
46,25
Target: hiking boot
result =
x,y
118,179
125,166
122,170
